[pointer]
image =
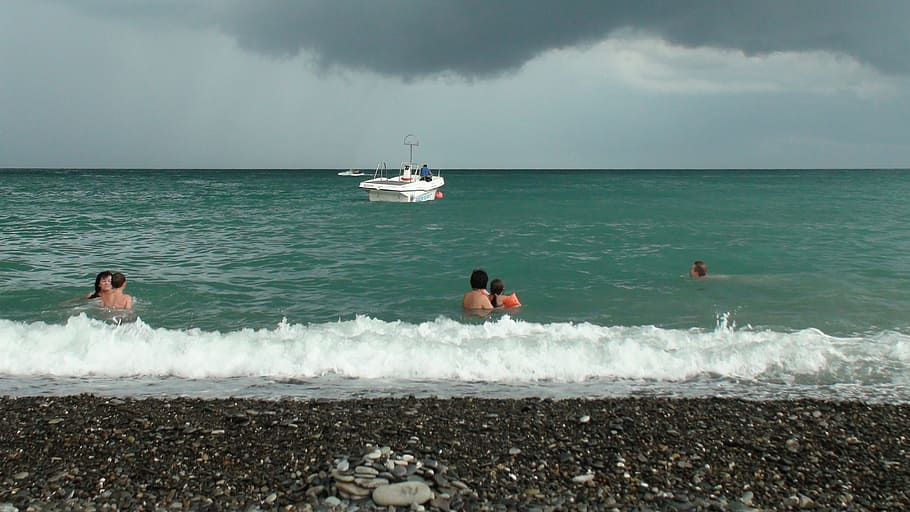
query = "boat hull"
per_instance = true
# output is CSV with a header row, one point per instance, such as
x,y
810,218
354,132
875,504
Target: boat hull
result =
x,y
395,190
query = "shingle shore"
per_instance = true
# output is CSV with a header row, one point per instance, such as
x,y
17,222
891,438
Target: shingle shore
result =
x,y
98,453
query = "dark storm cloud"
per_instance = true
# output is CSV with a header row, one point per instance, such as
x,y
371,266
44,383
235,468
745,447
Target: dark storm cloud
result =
x,y
479,38
484,38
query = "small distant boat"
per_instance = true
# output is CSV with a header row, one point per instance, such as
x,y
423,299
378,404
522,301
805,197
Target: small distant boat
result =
x,y
351,172
407,186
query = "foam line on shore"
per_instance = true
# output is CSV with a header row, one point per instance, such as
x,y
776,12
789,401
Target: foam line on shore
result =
x,y
503,350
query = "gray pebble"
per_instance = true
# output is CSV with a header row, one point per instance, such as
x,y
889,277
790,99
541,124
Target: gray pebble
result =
x,y
402,494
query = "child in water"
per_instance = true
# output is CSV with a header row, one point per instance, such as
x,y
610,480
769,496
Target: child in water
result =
x,y
497,288
115,298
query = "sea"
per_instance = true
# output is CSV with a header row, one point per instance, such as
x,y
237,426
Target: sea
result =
x,y
291,284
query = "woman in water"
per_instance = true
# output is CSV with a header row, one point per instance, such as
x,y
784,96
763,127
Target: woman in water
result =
x,y
102,284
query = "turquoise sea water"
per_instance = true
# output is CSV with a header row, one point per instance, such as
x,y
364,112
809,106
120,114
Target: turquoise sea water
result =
x,y
291,283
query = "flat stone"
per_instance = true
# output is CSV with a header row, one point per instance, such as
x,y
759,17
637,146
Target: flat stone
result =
x,y
402,494
580,479
341,477
440,503
735,506
366,470
371,483
352,489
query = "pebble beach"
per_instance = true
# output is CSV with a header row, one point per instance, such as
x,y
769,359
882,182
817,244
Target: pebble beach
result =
x,y
100,453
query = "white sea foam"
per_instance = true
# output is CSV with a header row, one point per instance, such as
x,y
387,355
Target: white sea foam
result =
x,y
505,350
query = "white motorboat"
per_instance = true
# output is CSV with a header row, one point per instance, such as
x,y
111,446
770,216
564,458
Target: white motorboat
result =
x,y
408,186
351,172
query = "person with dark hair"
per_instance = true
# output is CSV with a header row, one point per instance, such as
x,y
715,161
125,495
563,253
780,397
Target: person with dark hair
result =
x,y
477,297
102,284
479,279
116,298
699,269
497,288
425,173
498,298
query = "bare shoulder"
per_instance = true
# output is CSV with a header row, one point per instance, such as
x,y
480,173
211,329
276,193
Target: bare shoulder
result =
x,y
474,299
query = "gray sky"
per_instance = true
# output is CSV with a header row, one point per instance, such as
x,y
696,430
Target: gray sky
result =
x,y
502,84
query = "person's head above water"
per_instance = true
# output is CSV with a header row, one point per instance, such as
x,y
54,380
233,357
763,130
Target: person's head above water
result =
x,y
118,280
497,286
699,269
479,279
102,283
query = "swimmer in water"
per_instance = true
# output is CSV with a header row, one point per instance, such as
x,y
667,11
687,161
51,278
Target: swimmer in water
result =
x,y
498,297
477,298
102,284
115,298
699,269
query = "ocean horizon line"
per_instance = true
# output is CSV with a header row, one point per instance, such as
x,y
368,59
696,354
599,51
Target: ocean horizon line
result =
x,y
542,169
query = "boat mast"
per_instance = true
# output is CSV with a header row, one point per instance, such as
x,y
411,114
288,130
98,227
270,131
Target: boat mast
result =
x,y
411,141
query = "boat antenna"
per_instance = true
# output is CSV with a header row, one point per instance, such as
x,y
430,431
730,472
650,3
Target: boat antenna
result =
x,y
411,140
